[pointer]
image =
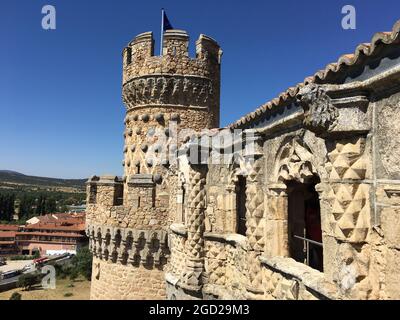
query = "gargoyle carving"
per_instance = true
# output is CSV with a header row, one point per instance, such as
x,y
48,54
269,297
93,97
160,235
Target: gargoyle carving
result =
x,y
320,114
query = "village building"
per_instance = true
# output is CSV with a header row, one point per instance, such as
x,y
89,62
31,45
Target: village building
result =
x,y
48,235
299,199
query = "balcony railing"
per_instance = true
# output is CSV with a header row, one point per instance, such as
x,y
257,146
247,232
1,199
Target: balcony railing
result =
x,y
306,248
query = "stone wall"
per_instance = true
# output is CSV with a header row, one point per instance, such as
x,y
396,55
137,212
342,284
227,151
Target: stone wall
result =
x,y
119,282
351,154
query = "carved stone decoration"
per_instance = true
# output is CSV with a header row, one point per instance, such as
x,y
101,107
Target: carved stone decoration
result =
x,y
295,163
352,271
350,211
191,277
254,216
120,245
349,200
320,115
254,274
254,193
164,89
347,160
215,263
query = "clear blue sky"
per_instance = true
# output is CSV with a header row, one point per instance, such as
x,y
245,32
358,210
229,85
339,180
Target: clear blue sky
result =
x,y
60,91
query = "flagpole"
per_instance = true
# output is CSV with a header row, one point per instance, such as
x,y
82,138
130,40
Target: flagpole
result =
x,y
162,31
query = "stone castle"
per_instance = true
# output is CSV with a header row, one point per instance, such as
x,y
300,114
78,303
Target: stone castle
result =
x,y
299,199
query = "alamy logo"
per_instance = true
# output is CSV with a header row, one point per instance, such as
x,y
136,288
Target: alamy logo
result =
x,y
349,20
49,20
49,279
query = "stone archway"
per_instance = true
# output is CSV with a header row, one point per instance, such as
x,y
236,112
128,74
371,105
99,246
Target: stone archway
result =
x,y
236,174
295,165
297,175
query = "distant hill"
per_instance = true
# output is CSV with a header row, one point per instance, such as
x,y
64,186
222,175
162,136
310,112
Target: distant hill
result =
x,y
16,178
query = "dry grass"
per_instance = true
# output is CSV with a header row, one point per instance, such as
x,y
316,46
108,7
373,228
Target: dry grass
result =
x,y
80,291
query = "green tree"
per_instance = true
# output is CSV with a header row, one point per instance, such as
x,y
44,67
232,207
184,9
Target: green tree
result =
x,y
28,280
41,205
83,262
27,202
74,274
50,205
16,296
7,201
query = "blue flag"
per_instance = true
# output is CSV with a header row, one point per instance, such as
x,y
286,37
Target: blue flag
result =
x,y
166,24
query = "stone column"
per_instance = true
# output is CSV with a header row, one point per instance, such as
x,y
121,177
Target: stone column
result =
x,y
254,193
179,205
276,231
230,209
348,195
347,225
194,247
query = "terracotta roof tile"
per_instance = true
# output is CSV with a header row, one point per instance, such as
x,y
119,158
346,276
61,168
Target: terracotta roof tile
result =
x,y
7,234
55,234
51,226
8,227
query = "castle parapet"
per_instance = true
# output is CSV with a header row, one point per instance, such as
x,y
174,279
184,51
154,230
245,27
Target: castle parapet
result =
x,y
105,190
140,48
176,43
141,191
208,49
139,59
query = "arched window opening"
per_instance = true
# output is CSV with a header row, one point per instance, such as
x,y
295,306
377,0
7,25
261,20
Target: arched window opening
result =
x,y
304,224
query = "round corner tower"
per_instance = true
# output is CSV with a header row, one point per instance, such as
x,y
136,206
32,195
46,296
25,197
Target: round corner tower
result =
x,y
167,97
169,90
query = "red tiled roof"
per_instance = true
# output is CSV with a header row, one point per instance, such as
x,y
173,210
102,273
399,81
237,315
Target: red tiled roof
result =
x,y
7,234
62,217
362,52
8,227
55,234
52,226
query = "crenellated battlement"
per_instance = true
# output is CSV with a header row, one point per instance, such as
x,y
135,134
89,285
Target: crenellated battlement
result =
x,y
107,190
139,59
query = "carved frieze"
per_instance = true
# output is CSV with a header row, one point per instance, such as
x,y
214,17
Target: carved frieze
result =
x,y
147,247
166,89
